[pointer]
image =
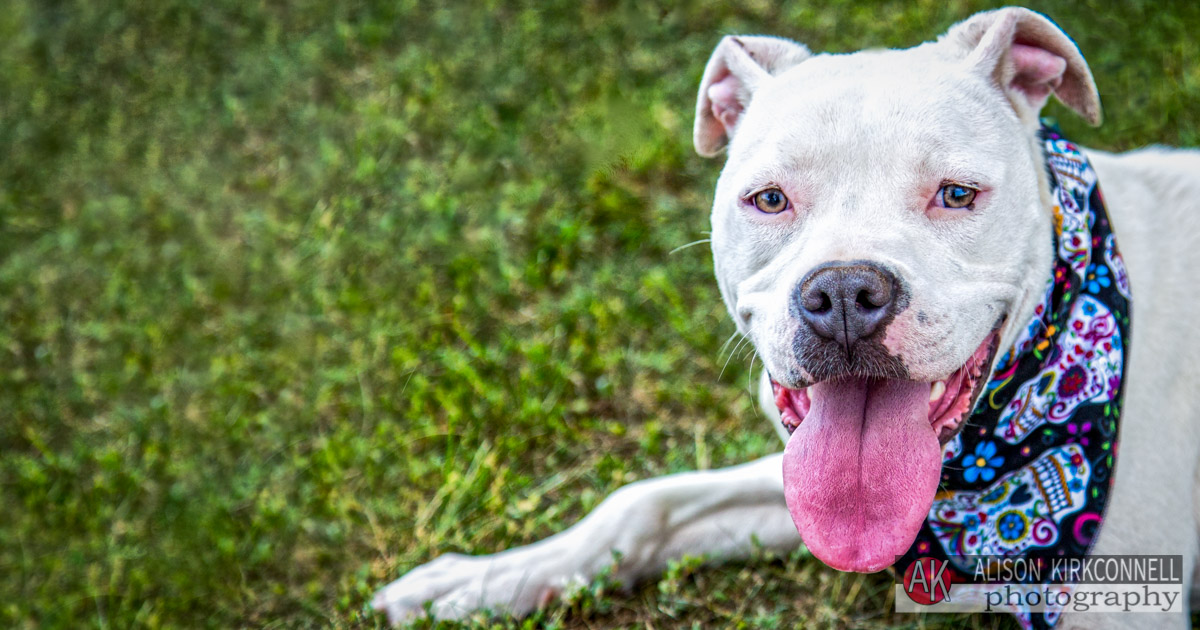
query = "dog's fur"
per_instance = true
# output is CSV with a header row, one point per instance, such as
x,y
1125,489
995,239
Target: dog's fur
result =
x,y
858,142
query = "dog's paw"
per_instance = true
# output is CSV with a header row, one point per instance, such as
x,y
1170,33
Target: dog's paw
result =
x,y
515,582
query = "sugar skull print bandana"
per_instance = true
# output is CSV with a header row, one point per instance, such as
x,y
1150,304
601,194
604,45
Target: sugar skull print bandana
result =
x,y
1029,474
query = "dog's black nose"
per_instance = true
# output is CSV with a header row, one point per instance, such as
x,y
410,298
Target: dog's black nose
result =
x,y
846,302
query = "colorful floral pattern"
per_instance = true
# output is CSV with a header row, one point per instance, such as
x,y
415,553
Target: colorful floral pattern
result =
x,y
1084,366
1097,278
1117,264
1030,475
1022,509
982,463
1075,180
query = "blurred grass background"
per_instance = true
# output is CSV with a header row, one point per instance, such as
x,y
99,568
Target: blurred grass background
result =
x,y
296,296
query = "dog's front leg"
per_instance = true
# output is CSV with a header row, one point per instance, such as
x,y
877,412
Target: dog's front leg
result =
x,y
716,514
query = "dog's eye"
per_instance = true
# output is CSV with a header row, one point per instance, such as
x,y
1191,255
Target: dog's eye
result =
x,y
771,201
956,196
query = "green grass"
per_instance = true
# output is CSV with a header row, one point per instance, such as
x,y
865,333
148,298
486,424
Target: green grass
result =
x,y
294,298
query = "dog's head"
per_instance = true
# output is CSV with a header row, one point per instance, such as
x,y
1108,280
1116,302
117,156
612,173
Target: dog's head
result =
x,y
880,229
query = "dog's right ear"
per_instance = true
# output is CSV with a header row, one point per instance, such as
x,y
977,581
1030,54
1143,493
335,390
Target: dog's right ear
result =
x,y
1029,57
737,67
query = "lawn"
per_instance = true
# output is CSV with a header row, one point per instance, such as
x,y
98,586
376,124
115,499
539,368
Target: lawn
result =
x,y
295,298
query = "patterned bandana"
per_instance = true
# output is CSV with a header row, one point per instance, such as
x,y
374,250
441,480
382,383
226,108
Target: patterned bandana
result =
x,y
1029,474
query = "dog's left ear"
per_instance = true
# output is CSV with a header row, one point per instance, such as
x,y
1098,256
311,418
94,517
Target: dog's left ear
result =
x,y
738,66
1030,58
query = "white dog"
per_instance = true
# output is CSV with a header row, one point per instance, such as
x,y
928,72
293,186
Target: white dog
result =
x,y
880,228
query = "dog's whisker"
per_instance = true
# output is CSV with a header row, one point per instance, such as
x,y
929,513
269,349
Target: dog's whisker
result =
x,y
683,247
733,352
750,375
726,364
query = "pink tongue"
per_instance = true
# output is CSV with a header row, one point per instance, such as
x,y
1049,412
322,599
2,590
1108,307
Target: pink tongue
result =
x,y
860,472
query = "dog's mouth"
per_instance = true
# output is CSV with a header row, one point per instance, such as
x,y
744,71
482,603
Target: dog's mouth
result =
x,y
864,459
950,399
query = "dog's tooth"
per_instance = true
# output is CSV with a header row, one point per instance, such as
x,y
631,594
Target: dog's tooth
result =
x,y
937,390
